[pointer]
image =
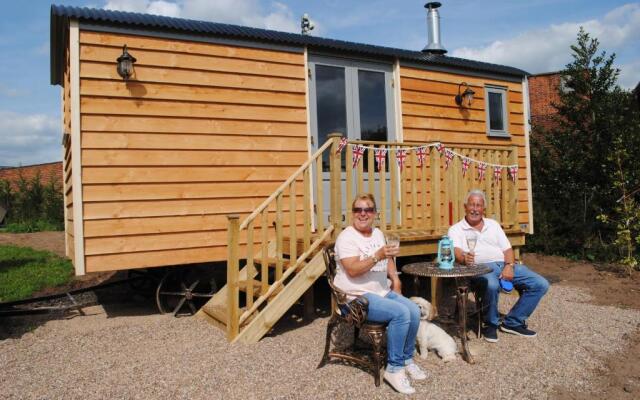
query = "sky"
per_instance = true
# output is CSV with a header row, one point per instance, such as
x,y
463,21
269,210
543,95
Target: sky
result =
x,y
533,35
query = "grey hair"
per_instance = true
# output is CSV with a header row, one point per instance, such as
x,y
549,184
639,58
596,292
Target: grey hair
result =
x,y
475,192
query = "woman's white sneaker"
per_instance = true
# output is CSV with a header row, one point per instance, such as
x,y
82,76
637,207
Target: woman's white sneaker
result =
x,y
398,381
415,372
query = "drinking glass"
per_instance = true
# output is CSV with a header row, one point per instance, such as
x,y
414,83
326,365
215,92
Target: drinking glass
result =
x,y
393,240
472,240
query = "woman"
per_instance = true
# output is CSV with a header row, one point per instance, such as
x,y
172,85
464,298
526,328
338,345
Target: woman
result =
x,y
364,264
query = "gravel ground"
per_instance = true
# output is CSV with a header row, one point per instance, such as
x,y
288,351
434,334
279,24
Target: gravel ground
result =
x,y
152,356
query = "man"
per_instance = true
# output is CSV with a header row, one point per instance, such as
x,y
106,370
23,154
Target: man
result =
x,y
494,250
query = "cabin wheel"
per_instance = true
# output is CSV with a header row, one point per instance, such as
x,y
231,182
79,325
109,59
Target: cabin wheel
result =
x,y
184,290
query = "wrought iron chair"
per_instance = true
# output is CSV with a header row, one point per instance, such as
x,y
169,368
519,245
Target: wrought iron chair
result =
x,y
353,313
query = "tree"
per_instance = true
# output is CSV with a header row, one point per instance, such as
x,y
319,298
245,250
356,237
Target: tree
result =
x,y
577,162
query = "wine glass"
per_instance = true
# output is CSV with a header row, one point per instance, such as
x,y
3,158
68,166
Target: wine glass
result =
x,y
472,240
393,240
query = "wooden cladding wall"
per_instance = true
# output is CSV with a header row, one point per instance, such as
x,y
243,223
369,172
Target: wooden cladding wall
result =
x,y
200,131
429,114
67,181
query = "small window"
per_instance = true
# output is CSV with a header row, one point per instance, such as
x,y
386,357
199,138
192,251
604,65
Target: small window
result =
x,y
496,107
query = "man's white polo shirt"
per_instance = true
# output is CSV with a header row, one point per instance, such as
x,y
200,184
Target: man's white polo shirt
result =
x,y
492,241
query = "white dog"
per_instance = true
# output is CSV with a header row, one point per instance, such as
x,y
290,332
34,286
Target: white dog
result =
x,y
431,336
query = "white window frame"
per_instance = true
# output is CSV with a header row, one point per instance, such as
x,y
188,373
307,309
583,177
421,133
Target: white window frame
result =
x,y
505,111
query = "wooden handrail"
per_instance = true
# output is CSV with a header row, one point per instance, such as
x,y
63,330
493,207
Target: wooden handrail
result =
x,y
286,183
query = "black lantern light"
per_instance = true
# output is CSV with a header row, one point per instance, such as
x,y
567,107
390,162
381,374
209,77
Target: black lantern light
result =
x,y
465,98
125,64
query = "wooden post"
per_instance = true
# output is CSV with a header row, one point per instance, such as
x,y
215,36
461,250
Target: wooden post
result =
x,y
349,185
319,195
293,237
250,265
414,193
436,210
233,271
334,174
393,171
279,236
504,190
383,196
513,200
264,267
306,220
371,171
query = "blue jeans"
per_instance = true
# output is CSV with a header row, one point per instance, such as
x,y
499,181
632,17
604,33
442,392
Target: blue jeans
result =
x,y
530,285
403,318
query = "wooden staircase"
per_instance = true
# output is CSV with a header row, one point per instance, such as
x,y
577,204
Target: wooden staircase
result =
x,y
274,255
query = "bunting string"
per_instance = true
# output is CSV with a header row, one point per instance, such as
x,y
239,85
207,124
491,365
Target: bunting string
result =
x,y
421,152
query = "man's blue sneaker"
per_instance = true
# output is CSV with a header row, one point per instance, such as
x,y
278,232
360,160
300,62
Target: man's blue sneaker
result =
x,y
490,333
518,330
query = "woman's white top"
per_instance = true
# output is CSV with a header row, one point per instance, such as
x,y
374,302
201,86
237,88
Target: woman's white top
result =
x,y
351,243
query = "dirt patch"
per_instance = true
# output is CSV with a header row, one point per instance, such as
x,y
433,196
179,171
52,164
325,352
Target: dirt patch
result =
x,y
621,377
50,241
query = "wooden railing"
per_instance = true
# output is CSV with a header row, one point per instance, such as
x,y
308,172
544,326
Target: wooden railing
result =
x,y
264,233
406,200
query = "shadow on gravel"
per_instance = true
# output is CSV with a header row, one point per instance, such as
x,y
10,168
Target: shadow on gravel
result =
x,y
115,301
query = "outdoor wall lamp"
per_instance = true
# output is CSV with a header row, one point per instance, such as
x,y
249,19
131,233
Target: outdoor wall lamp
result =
x,y
125,64
466,97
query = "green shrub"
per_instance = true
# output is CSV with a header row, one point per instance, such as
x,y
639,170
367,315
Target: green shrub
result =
x,y
32,206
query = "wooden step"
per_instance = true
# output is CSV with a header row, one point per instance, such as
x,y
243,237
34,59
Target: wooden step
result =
x,y
271,262
257,288
219,313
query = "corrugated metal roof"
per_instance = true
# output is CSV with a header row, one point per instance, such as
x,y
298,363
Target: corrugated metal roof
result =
x,y
61,14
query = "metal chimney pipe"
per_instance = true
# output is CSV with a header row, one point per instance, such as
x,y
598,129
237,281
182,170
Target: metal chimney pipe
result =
x,y
433,27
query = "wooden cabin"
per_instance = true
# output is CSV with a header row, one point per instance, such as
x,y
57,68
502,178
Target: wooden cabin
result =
x,y
245,145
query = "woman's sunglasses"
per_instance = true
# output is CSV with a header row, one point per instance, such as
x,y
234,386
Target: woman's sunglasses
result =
x,y
368,210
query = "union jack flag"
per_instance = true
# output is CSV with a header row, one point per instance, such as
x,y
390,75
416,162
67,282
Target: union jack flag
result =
x,y
440,148
448,155
358,151
497,172
380,156
421,153
343,142
465,165
513,172
401,156
482,168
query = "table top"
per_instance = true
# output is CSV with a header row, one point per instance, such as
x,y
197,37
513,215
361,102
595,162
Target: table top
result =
x,y
431,269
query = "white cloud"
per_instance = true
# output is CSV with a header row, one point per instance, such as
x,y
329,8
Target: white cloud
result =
x,y
629,74
278,16
28,139
547,49
164,8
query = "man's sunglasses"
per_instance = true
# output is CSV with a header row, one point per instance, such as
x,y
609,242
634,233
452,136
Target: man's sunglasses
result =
x,y
368,210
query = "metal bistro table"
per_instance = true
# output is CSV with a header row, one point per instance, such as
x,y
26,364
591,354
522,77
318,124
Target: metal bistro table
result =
x,y
461,273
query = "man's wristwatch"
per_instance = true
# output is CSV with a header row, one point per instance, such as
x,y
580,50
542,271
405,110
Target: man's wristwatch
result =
x,y
512,264
375,259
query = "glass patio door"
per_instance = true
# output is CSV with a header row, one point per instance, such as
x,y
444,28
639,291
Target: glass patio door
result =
x,y
354,98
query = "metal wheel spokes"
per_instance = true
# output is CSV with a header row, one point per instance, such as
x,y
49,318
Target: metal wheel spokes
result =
x,y
182,287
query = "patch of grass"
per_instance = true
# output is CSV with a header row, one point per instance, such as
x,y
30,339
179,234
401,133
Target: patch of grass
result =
x,y
24,271
32,226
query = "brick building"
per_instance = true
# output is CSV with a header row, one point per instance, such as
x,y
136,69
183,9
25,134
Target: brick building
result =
x,y
48,172
543,93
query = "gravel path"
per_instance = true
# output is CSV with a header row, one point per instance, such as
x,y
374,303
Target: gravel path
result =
x,y
153,356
